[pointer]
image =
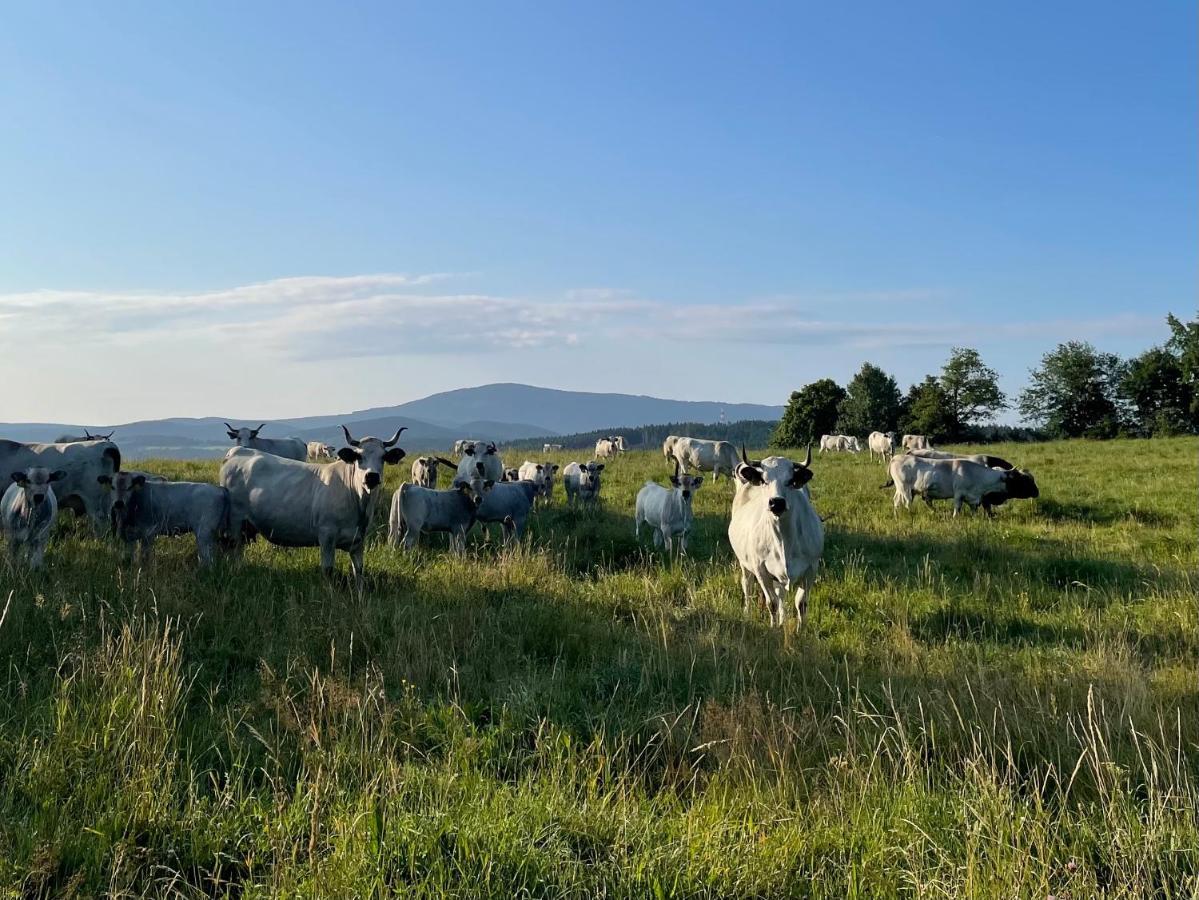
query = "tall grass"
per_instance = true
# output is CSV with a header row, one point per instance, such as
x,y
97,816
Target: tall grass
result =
x,y
977,708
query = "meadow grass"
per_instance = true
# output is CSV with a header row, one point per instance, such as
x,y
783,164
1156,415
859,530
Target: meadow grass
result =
x,y
974,708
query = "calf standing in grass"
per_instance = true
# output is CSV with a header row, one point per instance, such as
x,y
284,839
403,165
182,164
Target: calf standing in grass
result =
x,y
416,509
143,510
667,511
582,481
27,512
509,504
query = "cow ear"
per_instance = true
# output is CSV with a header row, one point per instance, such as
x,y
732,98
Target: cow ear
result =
x,y
800,476
19,477
138,481
699,479
58,475
674,479
488,484
105,480
393,456
348,454
600,467
750,474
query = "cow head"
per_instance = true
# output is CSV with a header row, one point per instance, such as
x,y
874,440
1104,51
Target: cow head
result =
x,y
476,489
589,475
468,448
369,454
242,436
35,483
776,475
126,489
689,483
1020,484
490,451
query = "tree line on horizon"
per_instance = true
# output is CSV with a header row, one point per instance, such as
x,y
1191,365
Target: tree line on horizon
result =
x,y
1076,391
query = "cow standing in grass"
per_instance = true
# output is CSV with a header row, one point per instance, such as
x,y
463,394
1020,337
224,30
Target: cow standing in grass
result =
x,y
28,509
775,533
667,511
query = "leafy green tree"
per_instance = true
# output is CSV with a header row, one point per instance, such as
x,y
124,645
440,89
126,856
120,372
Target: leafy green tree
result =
x,y
927,411
1184,343
872,403
811,412
1074,392
1159,398
971,388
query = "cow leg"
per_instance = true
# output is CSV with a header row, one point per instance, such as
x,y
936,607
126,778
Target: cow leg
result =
x,y
667,541
358,564
37,552
957,505
147,552
801,597
204,548
683,544
657,538
328,551
748,583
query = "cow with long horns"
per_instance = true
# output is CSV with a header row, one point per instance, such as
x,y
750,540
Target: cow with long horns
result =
x,y
81,438
298,504
776,534
288,448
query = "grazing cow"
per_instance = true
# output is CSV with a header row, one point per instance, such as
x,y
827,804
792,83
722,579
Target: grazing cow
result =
x,y
288,448
298,504
668,446
667,511
416,509
319,451
854,445
839,442
775,533
549,448
424,470
80,438
493,466
959,480
706,456
143,510
582,481
882,443
27,512
83,462
985,459
509,504
829,442
609,447
915,442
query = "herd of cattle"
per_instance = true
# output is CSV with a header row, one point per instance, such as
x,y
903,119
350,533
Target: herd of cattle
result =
x,y
268,487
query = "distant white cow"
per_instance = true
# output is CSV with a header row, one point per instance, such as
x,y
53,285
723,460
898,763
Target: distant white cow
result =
x,y
461,444
541,474
86,436
775,533
609,447
299,504
549,448
984,459
839,442
28,509
668,446
319,451
706,456
882,443
914,442
959,480
667,511
424,470
475,455
582,481
288,448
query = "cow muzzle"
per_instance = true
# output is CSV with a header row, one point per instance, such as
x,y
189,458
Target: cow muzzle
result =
x,y
38,499
777,505
686,495
373,479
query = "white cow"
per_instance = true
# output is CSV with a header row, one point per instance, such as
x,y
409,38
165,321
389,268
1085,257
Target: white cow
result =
x,y
839,442
959,480
27,512
668,446
416,510
541,474
424,470
288,448
144,510
83,462
985,459
461,444
667,511
319,451
775,533
582,481
298,504
607,448
475,455
882,443
706,456
549,448
80,438
914,442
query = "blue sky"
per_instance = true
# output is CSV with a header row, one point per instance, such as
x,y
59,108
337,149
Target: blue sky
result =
x,y
279,209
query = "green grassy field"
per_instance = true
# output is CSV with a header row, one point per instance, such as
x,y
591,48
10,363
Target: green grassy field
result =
x,y
975,708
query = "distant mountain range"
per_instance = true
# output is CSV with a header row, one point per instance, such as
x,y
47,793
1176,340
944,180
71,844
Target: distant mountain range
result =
x,y
497,412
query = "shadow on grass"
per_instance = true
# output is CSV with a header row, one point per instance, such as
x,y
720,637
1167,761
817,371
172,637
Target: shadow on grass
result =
x,y
1109,513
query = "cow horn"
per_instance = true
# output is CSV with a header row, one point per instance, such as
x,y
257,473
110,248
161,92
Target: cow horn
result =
x,y
230,427
349,440
808,460
744,458
395,437
87,434
254,432
445,462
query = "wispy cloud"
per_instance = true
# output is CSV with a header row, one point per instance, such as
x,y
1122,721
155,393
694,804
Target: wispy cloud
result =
x,y
321,317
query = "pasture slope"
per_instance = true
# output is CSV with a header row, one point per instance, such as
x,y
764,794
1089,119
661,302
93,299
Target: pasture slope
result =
x,y
976,708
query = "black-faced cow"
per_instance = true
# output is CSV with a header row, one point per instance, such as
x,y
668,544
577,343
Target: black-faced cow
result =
x,y
959,480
